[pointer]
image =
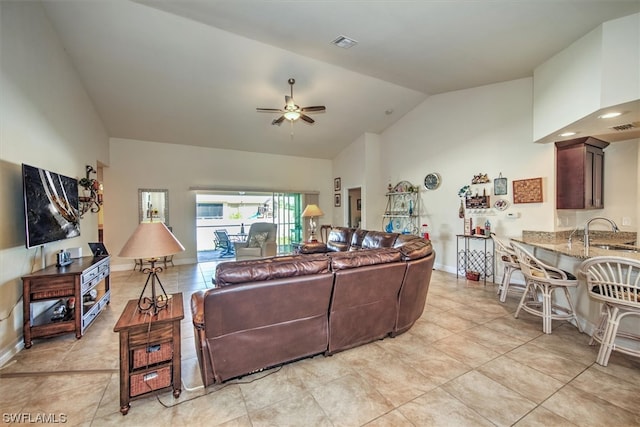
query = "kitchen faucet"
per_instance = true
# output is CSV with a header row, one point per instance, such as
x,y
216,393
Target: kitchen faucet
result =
x,y
614,227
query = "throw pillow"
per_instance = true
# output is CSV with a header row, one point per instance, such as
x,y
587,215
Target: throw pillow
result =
x,y
258,239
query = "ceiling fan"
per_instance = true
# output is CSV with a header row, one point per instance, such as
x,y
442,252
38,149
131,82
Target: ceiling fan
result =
x,y
291,111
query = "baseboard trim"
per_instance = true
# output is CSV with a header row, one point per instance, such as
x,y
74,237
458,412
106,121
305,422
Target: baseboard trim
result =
x,y
7,353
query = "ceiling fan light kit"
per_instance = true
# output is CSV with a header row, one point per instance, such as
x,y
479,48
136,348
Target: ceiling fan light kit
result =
x,y
292,115
291,111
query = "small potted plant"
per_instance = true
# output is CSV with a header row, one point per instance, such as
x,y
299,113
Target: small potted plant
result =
x,y
86,183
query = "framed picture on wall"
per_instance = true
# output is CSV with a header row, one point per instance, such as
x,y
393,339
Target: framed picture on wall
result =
x,y
336,200
337,184
527,190
500,186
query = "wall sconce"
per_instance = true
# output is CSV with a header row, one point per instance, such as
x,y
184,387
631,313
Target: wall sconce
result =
x,y
91,198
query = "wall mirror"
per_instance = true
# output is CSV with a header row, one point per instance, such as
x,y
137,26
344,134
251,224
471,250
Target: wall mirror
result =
x,y
153,205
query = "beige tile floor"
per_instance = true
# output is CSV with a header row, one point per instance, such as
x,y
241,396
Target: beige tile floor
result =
x,y
466,362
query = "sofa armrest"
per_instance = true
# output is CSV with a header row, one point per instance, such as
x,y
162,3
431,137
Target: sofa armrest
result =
x,y
240,245
197,309
313,248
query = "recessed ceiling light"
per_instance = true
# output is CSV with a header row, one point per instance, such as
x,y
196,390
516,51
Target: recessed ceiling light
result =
x,y
609,115
344,42
567,134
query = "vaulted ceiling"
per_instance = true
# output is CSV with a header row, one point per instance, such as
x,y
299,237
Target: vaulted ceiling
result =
x,y
194,71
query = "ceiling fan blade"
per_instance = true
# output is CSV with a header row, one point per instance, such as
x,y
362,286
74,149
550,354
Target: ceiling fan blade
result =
x,y
307,118
278,121
268,110
313,109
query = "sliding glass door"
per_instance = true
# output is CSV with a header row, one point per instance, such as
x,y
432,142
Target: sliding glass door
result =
x,y
287,214
235,211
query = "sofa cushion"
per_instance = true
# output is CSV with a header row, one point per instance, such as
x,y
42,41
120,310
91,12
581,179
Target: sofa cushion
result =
x,y
313,248
228,273
378,239
413,247
339,239
258,239
357,238
354,259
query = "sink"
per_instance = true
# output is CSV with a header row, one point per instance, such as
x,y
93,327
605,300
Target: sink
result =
x,y
619,248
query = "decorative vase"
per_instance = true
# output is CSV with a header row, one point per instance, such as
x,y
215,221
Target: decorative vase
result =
x,y
461,210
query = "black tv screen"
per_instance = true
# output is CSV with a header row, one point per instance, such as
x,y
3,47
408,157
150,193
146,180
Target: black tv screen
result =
x,y
50,206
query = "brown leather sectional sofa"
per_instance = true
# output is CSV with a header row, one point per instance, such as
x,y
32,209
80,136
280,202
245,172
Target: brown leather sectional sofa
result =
x,y
359,287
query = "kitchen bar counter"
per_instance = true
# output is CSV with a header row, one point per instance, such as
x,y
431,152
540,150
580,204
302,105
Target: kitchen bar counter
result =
x,y
559,243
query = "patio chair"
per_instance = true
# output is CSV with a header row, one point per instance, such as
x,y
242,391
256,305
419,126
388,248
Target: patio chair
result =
x,y
615,282
223,242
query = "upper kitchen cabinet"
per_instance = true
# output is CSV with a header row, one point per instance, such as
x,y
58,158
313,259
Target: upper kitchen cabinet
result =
x,y
580,173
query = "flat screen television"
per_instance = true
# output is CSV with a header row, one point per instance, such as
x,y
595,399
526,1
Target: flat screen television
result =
x,y
50,206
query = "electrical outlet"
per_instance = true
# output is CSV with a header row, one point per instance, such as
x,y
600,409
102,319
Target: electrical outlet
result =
x,y
626,221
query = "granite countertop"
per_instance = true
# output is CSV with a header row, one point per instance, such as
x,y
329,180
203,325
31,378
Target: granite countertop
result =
x,y
559,242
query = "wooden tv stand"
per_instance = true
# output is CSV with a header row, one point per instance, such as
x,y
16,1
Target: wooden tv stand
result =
x,y
57,285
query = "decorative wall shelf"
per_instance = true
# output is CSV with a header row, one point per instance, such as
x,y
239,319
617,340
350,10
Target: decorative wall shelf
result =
x,y
90,197
402,214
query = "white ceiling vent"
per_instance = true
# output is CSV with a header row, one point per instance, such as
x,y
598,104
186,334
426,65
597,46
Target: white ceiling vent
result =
x,y
625,126
344,42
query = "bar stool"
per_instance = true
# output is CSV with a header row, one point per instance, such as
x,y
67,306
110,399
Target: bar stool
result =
x,y
615,282
509,258
541,282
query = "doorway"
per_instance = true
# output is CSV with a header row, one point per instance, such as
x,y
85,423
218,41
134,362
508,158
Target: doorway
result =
x,y
354,218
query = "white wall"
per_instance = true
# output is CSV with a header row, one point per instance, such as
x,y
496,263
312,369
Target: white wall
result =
x,y
567,87
141,164
481,130
459,135
621,60
599,70
46,120
359,165
350,167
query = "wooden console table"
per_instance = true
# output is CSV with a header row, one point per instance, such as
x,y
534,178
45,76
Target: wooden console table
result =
x,y
149,351
60,284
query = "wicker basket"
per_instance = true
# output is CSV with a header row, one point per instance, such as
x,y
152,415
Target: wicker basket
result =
x,y
152,354
473,275
148,381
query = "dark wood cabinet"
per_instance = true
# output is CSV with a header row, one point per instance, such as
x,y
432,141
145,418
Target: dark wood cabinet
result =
x,y
86,280
580,173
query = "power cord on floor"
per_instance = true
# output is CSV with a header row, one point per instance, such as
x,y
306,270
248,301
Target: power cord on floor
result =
x,y
222,387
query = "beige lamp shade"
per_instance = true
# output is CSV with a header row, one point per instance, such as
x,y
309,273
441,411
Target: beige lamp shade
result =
x,y
151,240
311,211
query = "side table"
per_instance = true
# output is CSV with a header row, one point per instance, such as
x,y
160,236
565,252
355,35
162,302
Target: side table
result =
x,y
480,261
149,351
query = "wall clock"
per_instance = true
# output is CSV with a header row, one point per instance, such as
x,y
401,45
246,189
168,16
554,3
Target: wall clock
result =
x,y
432,181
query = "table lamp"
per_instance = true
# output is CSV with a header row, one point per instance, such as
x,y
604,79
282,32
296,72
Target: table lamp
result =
x,y
311,212
151,241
